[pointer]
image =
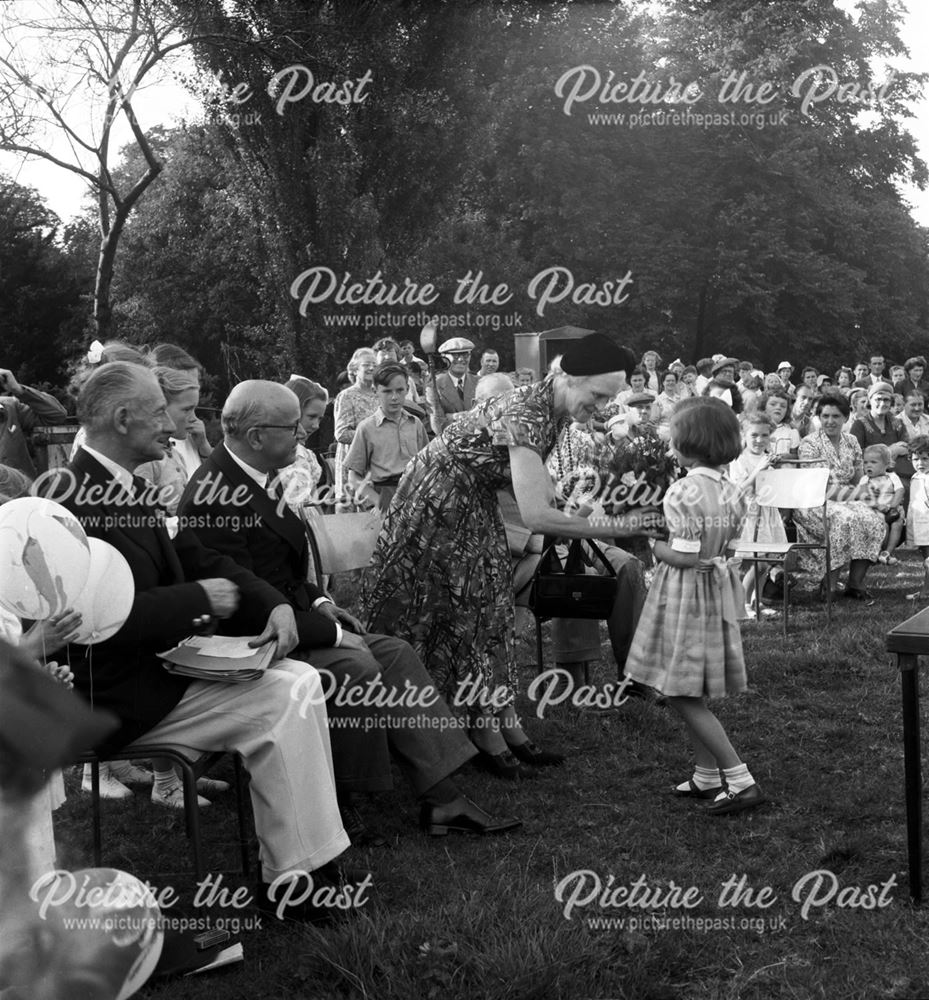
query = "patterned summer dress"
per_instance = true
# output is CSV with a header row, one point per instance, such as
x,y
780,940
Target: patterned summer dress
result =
x,y
441,575
855,530
762,524
917,514
351,406
688,641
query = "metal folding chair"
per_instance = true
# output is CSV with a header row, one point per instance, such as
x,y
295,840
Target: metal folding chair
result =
x,y
191,768
789,488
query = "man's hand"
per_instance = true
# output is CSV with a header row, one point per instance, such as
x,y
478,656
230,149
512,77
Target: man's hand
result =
x,y
8,382
352,641
282,627
223,596
336,614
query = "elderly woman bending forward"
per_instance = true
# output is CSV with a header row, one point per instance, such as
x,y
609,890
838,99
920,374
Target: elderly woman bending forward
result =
x,y
442,575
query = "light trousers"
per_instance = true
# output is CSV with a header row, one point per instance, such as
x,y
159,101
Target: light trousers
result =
x,y
278,725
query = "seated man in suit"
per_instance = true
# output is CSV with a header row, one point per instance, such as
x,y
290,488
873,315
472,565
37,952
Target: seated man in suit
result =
x,y
454,390
180,587
228,504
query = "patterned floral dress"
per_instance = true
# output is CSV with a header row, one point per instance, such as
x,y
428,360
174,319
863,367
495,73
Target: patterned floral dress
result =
x,y
762,524
351,406
855,530
441,576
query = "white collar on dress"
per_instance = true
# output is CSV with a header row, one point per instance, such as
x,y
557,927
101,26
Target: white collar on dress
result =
x,y
705,470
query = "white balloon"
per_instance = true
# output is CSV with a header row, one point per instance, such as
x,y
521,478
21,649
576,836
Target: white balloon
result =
x,y
108,593
113,931
44,557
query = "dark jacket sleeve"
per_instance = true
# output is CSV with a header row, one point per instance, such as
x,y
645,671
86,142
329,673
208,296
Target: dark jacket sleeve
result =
x,y
257,598
39,408
217,532
163,614
859,432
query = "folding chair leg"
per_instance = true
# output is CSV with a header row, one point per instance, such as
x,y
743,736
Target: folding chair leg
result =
x,y
192,817
95,812
240,809
786,603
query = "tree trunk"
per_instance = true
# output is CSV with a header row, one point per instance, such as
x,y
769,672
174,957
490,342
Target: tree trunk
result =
x,y
103,313
700,332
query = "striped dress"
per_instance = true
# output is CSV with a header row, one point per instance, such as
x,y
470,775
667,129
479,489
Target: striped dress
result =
x,y
688,641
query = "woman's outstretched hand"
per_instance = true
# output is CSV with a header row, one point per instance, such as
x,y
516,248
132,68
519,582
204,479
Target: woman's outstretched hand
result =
x,y
647,521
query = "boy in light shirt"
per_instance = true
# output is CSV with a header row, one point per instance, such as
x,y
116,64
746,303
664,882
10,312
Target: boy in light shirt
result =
x,y
386,441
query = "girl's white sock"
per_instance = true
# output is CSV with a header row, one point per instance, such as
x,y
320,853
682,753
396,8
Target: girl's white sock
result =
x,y
738,778
704,777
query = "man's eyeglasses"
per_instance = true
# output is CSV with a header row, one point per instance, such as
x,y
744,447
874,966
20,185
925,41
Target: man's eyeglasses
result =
x,y
293,428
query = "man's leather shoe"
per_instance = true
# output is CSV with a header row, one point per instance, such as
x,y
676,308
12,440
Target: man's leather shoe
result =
x,y
529,753
359,833
736,802
463,816
502,765
318,897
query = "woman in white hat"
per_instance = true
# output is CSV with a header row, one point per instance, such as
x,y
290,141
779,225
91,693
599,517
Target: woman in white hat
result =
x,y
722,385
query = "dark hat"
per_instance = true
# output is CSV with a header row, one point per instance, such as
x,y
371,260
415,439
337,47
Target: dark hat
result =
x,y
725,363
640,398
596,354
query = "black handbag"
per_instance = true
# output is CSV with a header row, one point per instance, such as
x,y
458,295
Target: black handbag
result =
x,y
567,591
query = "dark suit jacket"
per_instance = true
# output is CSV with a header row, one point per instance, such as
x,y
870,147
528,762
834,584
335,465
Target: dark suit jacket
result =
x,y
124,674
231,514
446,400
905,386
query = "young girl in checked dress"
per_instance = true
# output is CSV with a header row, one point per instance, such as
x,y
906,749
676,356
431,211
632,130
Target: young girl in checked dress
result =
x,y
688,644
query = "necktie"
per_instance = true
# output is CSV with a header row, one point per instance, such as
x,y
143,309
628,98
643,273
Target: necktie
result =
x,y
461,390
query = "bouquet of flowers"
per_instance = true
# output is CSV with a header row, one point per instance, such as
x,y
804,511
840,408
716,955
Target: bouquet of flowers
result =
x,y
626,468
635,467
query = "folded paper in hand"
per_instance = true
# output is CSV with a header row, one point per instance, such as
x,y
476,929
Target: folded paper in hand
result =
x,y
219,658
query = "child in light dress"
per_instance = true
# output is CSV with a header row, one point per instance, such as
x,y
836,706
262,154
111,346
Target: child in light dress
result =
x,y
688,645
762,524
882,489
785,439
917,514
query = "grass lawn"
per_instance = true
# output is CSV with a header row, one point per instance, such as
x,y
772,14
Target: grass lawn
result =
x,y
461,917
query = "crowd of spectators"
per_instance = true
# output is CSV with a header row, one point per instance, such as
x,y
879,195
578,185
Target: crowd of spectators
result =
x,y
447,441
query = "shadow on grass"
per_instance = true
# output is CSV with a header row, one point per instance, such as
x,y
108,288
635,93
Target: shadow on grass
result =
x,y
470,918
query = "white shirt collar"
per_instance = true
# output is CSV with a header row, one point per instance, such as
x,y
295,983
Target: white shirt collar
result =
x,y
705,470
121,474
261,478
